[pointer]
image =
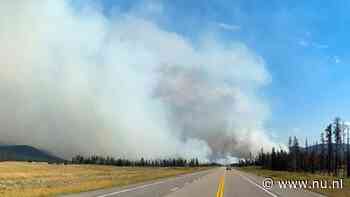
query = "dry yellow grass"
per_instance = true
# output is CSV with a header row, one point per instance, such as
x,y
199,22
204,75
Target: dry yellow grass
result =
x,y
21,179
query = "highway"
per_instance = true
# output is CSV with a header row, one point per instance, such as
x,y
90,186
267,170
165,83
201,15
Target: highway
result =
x,y
213,183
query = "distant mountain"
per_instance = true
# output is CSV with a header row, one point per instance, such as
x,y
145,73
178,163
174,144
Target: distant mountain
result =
x,y
342,148
25,153
318,146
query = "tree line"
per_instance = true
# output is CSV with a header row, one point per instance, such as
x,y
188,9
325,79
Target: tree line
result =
x,y
171,162
330,155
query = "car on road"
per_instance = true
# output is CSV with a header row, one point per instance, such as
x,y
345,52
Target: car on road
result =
x,y
228,168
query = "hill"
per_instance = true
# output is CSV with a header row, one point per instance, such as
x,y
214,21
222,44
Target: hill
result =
x,y
318,147
25,153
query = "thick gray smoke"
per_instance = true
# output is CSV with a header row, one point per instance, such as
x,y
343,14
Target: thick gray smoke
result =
x,y
75,81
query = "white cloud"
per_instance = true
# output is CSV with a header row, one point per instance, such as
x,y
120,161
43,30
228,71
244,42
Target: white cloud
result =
x,y
320,46
303,43
309,43
229,27
337,59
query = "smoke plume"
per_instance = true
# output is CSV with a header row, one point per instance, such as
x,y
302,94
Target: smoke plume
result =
x,y
74,80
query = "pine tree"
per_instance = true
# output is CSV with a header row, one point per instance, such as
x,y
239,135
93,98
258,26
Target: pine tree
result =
x,y
348,154
322,153
273,159
290,143
337,136
312,159
306,145
306,157
328,131
296,154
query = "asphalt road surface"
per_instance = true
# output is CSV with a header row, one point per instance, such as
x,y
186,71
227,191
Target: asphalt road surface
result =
x,y
213,183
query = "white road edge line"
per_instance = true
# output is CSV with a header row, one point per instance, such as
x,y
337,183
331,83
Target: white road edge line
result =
x,y
274,195
147,185
174,189
131,189
252,182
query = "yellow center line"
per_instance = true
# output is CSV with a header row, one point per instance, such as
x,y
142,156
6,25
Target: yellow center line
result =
x,y
220,192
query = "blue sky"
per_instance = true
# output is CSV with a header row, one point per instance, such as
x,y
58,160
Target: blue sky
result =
x,y
304,44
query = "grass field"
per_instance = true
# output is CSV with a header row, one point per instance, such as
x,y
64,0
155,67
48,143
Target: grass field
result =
x,y
284,175
22,179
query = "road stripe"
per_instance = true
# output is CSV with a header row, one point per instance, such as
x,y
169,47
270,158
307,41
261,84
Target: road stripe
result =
x,y
174,189
260,187
131,189
149,185
219,189
220,192
223,186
